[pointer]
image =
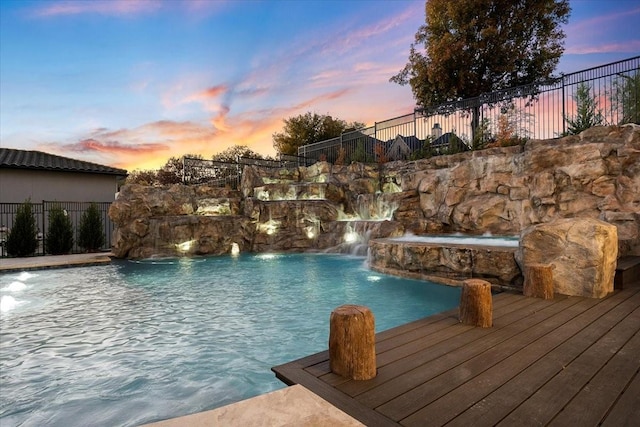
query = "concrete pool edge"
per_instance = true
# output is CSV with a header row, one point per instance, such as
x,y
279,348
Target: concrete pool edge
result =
x,y
10,265
290,406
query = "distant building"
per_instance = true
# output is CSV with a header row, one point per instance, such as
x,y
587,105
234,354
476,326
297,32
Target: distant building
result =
x,y
402,147
41,176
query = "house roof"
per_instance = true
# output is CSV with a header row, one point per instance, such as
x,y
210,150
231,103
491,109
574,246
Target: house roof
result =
x,y
23,159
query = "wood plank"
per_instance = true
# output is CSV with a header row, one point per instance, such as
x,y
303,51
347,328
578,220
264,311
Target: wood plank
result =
x,y
575,358
423,330
461,366
547,401
503,303
591,405
407,393
626,411
451,328
423,353
486,406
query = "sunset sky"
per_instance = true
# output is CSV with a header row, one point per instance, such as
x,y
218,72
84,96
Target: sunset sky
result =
x,y
131,83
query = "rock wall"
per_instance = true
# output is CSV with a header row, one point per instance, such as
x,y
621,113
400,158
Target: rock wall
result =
x,y
504,190
582,251
501,190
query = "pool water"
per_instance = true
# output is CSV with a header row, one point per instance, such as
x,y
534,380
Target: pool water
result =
x,y
135,342
461,239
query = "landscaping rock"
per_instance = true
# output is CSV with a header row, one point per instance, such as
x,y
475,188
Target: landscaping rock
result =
x,y
582,251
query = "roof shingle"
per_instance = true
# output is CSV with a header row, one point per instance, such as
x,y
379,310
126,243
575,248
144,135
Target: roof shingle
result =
x,y
23,159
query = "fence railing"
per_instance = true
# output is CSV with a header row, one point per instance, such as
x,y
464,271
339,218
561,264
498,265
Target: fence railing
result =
x,y
541,110
229,174
40,211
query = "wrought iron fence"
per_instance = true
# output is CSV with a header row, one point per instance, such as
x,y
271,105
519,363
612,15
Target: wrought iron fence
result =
x,y
40,211
542,110
229,174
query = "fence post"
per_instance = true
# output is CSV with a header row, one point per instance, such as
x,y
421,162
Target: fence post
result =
x,y
564,123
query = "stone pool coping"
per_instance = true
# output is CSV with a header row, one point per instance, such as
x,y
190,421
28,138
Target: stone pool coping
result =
x,y
290,406
8,265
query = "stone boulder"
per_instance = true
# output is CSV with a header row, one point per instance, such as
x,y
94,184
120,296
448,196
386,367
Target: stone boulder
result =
x,y
583,252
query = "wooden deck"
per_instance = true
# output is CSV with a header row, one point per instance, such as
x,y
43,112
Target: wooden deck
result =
x,y
568,361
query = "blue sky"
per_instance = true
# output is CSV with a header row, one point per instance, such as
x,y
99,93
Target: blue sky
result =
x,y
130,83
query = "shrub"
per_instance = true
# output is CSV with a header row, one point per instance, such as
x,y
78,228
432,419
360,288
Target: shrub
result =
x,y
22,239
91,232
60,233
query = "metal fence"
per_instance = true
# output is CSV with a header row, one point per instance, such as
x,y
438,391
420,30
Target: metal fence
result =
x,y
41,211
542,110
229,174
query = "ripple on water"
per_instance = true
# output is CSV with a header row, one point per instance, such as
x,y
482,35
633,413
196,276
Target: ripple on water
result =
x,y
131,343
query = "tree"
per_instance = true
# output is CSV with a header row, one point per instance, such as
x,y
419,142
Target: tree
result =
x,y
231,154
625,98
309,128
91,230
60,233
587,114
477,46
171,172
22,239
142,177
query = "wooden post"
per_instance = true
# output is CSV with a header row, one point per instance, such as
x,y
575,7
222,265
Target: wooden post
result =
x,y
476,304
352,342
538,281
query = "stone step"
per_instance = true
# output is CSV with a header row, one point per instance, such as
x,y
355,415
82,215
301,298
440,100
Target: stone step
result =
x,y
627,271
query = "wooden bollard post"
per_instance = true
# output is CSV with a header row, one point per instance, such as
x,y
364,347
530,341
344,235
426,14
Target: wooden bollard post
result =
x,y
538,281
476,305
352,342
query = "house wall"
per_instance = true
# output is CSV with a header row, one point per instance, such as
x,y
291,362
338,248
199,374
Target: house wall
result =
x,y
16,185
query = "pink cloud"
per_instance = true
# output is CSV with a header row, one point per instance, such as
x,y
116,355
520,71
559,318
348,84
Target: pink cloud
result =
x,y
598,22
632,46
102,7
112,147
212,92
127,7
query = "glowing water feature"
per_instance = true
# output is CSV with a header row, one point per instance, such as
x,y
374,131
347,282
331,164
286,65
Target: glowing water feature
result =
x,y
16,287
375,207
459,239
235,249
131,343
7,302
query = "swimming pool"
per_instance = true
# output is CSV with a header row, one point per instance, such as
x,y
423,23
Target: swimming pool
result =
x,y
131,343
460,239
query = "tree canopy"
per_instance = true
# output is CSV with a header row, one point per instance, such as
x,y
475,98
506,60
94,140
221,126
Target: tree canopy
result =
x,y
309,128
232,154
470,47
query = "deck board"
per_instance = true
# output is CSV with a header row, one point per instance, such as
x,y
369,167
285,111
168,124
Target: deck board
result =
x,y
566,361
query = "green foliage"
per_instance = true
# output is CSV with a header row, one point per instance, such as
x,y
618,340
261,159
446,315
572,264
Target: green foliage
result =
x,y
91,231
625,98
481,135
477,46
309,128
587,114
232,154
456,145
59,239
425,152
359,155
22,239
142,177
